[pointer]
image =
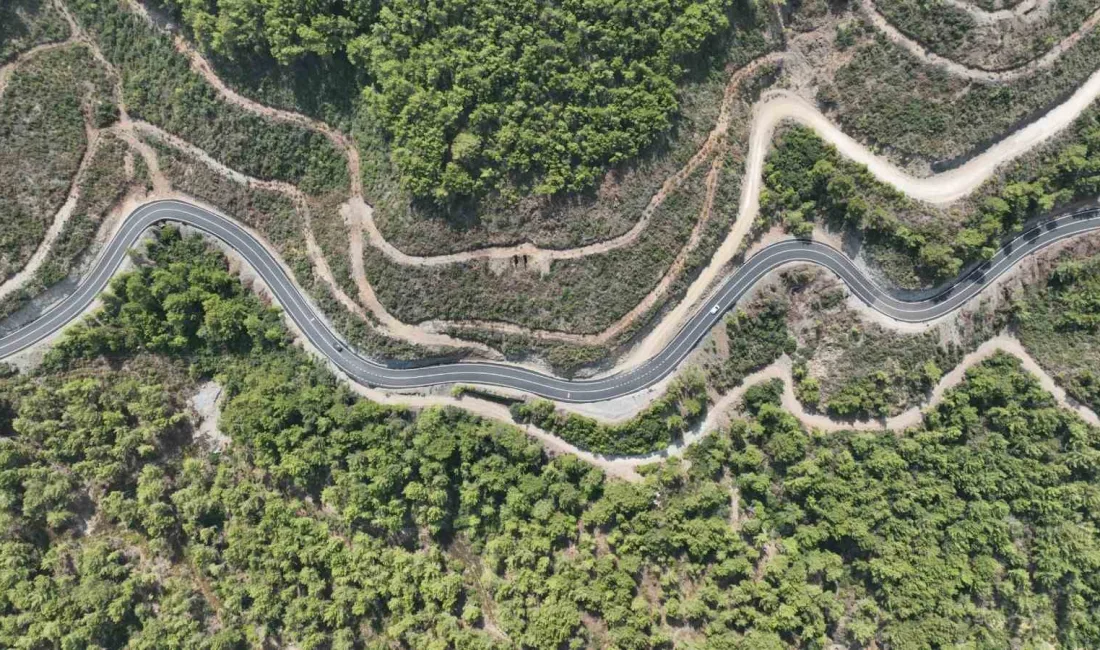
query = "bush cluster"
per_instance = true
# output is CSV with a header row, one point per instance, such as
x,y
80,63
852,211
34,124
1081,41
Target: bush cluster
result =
x,y
757,336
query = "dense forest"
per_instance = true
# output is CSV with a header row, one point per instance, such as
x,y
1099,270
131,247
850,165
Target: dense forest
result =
x,y
328,521
489,95
1060,319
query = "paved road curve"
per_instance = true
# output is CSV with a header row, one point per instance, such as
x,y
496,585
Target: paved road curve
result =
x,y
373,373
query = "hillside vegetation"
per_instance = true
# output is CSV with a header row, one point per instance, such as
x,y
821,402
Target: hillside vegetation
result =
x,y
581,295
315,519
330,521
491,95
160,87
885,96
807,182
953,32
1060,320
283,222
42,139
26,23
105,182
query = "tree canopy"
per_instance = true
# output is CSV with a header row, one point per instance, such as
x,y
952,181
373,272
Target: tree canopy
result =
x,y
333,522
807,181
490,95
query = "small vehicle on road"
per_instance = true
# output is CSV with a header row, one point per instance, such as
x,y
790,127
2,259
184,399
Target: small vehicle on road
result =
x,y
714,309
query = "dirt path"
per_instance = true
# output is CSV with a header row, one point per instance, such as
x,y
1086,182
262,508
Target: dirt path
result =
x,y
627,320
1012,345
1028,10
911,417
397,327
363,214
719,414
61,218
772,110
722,411
938,189
388,323
202,67
9,68
149,157
221,169
92,137
768,113
976,74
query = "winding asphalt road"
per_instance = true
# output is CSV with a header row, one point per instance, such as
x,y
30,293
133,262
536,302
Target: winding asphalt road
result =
x,y
372,373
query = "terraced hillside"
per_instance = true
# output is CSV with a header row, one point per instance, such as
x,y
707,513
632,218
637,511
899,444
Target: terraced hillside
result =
x,y
500,324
